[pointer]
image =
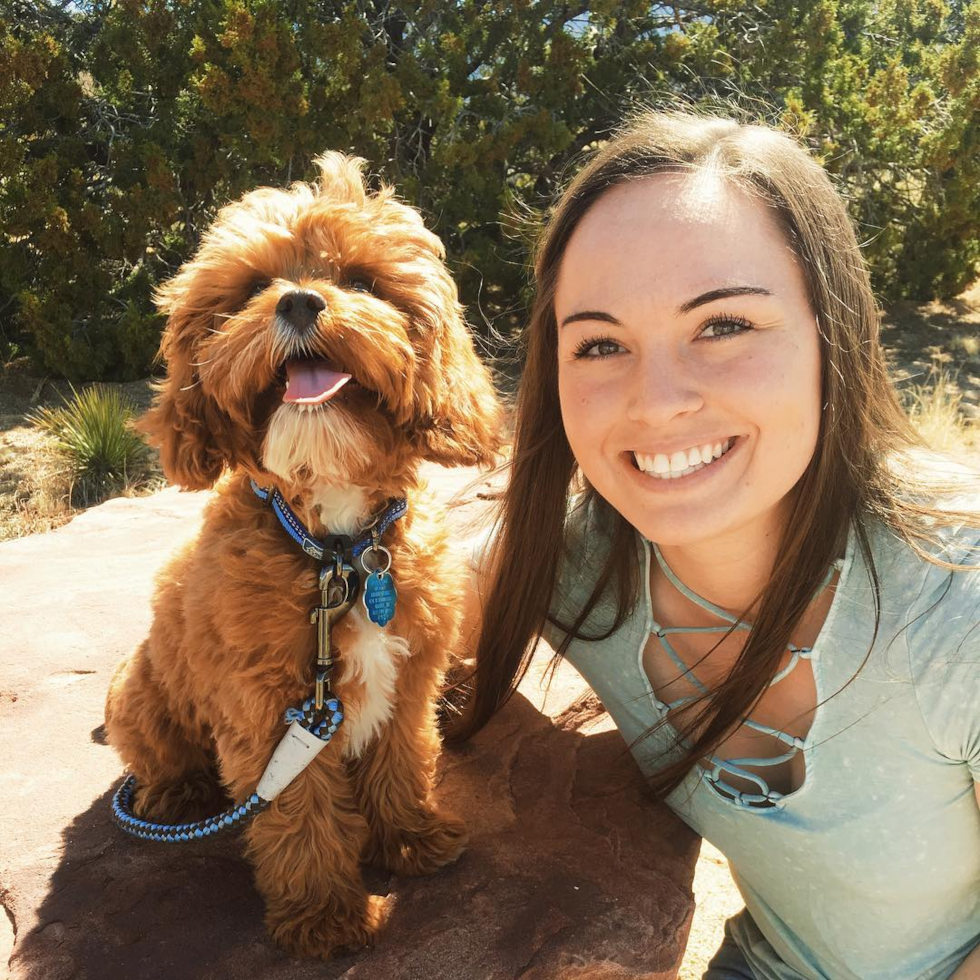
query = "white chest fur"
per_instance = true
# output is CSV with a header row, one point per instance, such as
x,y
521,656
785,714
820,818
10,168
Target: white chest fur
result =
x,y
370,656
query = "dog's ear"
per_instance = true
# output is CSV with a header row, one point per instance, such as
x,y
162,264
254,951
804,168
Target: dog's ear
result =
x,y
459,413
184,423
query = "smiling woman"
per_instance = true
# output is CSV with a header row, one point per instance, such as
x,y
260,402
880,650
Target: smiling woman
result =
x,y
735,365
719,514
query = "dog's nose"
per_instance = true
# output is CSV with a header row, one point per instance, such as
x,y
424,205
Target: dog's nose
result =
x,y
300,308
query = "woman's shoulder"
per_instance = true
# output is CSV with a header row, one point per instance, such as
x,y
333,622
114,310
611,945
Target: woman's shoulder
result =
x,y
937,598
939,591
588,525
942,496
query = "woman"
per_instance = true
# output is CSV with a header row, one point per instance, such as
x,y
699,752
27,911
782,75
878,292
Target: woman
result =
x,y
719,514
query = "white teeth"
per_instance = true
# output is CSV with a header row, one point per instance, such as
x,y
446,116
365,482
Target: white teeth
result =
x,y
681,463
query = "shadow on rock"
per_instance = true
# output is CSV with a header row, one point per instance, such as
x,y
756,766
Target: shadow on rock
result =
x,y
572,871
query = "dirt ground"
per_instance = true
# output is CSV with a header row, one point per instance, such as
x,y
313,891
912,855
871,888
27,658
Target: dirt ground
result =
x,y
920,339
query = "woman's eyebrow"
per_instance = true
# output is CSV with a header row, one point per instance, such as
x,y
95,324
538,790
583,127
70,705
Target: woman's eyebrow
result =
x,y
590,315
723,293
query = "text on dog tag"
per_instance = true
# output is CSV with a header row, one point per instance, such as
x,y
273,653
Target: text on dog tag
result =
x,y
379,597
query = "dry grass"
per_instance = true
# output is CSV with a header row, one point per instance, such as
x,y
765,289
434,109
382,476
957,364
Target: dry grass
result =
x,y
35,485
936,408
36,481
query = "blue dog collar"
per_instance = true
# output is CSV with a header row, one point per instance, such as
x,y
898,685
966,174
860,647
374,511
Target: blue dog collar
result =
x,y
320,550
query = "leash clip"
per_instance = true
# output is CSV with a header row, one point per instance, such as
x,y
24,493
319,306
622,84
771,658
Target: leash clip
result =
x,y
339,585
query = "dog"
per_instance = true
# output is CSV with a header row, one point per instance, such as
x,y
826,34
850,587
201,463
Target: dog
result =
x,y
314,346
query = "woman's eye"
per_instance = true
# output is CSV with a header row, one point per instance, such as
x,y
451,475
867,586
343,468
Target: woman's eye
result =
x,y
596,347
724,326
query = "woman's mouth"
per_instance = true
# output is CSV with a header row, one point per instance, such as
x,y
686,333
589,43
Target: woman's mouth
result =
x,y
683,462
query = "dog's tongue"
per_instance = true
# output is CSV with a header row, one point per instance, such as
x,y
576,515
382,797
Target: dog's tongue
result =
x,y
312,382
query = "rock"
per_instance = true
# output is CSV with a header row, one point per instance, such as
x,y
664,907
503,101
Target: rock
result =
x,y
572,870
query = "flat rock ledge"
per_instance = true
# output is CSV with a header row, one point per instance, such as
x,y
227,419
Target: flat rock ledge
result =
x,y
572,872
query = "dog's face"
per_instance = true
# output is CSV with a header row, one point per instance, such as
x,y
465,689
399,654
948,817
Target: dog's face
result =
x,y
317,336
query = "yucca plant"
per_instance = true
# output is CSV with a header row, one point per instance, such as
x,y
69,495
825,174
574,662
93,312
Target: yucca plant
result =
x,y
93,432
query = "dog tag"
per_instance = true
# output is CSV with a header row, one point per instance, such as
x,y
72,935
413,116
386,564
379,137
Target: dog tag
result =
x,y
379,597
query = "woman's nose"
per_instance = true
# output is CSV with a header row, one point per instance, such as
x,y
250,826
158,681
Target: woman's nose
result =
x,y
663,389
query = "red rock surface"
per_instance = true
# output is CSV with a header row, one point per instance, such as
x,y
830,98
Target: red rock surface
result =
x,y
572,871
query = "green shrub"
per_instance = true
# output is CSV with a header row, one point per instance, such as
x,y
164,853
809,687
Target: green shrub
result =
x,y
94,433
123,126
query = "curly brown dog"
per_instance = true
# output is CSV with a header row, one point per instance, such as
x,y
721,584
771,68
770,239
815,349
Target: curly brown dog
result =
x,y
314,344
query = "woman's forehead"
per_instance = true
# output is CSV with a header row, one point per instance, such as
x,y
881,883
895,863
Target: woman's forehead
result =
x,y
683,231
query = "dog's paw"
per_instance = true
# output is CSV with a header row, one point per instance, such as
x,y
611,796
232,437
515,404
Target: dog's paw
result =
x,y
194,797
329,931
441,843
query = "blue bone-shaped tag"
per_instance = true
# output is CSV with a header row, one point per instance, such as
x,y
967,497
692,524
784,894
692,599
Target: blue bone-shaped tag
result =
x,y
379,597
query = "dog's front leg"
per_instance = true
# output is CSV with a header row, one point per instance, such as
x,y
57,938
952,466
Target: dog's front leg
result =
x,y
306,850
393,782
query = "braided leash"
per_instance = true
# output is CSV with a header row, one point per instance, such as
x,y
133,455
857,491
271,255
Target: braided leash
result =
x,y
323,724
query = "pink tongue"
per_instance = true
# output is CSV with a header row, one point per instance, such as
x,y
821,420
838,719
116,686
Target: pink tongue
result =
x,y
312,382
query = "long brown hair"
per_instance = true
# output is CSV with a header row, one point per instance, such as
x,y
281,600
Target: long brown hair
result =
x,y
851,476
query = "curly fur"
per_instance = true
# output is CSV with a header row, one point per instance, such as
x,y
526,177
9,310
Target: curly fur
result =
x,y
196,710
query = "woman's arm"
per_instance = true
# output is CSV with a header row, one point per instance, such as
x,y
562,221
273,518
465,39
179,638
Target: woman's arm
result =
x,y
969,969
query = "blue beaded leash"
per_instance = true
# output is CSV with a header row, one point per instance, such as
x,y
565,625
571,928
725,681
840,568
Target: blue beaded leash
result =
x,y
235,816
316,722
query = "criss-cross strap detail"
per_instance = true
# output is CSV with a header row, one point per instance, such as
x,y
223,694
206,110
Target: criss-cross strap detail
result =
x,y
766,796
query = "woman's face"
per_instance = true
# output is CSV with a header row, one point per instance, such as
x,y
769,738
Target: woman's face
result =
x,y
688,359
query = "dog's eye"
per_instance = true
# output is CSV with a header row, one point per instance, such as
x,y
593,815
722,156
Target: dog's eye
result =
x,y
361,284
259,286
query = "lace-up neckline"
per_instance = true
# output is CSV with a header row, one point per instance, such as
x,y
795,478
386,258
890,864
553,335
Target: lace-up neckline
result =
x,y
766,797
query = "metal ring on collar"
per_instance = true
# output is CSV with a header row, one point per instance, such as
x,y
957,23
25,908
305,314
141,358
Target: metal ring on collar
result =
x,y
375,551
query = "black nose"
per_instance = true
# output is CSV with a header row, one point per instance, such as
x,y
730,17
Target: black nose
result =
x,y
300,308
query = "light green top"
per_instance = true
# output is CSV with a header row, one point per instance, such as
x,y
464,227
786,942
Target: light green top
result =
x,y
871,869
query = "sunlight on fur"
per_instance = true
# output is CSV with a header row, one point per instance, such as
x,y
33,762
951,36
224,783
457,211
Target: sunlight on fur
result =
x,y
320,445
341,507
373,658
